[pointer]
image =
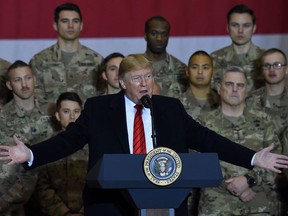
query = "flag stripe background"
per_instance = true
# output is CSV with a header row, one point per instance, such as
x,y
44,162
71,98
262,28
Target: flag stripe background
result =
x,y
118,25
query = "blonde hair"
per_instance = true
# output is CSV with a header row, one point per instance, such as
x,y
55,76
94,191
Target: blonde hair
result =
x,y
134,62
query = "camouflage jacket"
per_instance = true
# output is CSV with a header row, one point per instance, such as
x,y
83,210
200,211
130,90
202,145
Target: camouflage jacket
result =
x,y
253,130
16,184
4,65
257,100
60,185
170,76
227,57
34,125
54,77
285,145
194,108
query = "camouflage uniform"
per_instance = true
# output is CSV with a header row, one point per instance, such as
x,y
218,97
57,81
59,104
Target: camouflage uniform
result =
x,y
4,65
282,179
17,184
278,110
227,57
54,77
194,108
34,125
170,75
60,185
254,131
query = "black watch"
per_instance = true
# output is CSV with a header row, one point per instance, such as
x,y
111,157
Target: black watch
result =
x,y
250,180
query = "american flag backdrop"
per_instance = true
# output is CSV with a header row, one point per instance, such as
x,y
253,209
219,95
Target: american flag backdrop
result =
x,y
118,25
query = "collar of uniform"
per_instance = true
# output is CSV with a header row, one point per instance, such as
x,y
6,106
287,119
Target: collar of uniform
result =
x,y
212,98
57,52
22,112
283,98
253,52
240,118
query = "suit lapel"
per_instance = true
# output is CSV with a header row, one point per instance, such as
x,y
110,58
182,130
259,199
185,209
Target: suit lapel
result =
x,y
118,116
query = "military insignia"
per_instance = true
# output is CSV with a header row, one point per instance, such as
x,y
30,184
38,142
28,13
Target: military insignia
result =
x,y
162,166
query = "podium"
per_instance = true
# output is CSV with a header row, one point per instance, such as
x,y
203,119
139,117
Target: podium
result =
x,y
125,171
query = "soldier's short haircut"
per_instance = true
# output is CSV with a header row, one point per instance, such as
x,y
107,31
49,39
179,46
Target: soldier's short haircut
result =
x,y
241,8
16,64
201,52
66,7
157,18
271,51
70,96
233,69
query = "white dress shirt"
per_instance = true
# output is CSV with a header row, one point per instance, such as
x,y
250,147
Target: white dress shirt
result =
x,y
146,117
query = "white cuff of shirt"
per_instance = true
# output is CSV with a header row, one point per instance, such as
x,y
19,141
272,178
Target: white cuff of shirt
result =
x,y
253,158
30,162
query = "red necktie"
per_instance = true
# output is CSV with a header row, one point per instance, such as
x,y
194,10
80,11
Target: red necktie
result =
x,y
139,144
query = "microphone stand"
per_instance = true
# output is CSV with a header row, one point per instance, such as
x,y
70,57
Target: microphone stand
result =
x,y
147,103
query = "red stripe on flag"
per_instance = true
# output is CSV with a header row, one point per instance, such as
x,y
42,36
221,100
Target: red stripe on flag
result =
x,y
126,18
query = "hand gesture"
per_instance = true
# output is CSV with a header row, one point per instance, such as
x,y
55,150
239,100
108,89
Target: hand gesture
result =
x,y
271,161
19,153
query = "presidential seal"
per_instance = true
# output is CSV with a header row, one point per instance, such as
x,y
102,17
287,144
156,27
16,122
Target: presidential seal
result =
x,y
162,166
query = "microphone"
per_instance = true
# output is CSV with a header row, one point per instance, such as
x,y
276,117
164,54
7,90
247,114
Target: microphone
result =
x,y
147,103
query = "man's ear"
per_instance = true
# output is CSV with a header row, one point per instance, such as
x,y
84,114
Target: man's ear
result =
x,y
122,84
218,88
145,36
254,28
186,71
55,27
8,84
57,116
227,28
104,76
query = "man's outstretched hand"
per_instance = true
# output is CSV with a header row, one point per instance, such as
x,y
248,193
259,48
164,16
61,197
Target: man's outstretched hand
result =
x,y
19,153
271,161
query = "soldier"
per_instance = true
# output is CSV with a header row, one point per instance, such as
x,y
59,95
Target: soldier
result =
x,y
60,184
199,96
169,72
273,97
5,94
25,116
106,77
243,192
16,184
241,25
67,65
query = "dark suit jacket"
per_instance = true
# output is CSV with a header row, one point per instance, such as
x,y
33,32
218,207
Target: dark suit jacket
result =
x,y
102,125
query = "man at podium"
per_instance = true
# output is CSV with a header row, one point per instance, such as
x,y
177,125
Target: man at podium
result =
x,y
107,125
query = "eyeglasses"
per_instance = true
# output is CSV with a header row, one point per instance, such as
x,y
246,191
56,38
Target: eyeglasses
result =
x,y
276,66
137,79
